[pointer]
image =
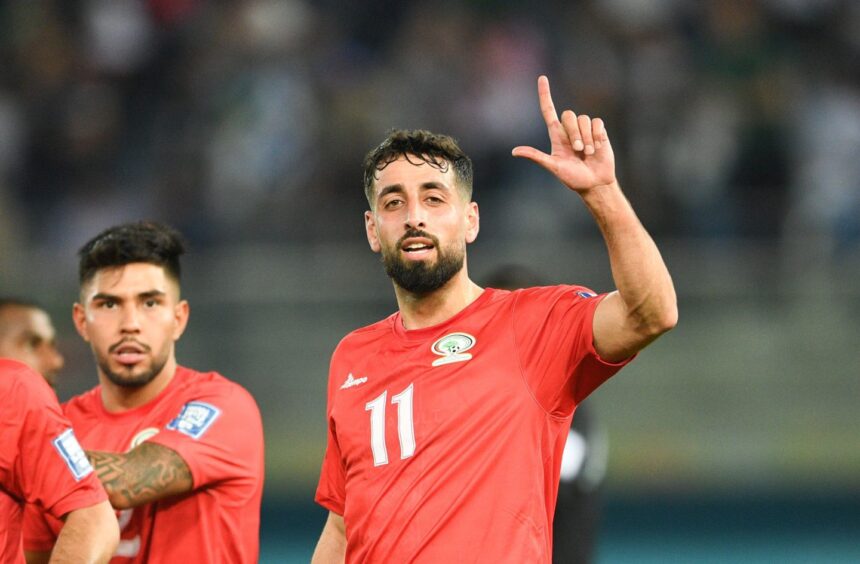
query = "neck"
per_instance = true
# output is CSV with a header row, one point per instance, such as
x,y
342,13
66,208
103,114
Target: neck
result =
x,y
117,399
425,310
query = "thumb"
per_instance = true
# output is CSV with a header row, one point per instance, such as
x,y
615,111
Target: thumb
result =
x,y
533,155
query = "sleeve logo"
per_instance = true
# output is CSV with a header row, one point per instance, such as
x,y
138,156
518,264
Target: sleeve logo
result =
x,y
76,459
194,420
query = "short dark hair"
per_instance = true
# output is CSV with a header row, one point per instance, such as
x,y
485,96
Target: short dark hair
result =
x,y
437,150
142,241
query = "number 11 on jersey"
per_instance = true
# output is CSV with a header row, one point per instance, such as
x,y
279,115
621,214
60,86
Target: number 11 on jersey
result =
x,y
405,428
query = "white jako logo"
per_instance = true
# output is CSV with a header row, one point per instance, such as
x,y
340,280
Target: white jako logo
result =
x,y
352,381
452,348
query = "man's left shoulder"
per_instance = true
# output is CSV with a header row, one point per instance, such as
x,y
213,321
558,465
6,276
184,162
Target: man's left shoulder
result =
x,y
552,294
214,385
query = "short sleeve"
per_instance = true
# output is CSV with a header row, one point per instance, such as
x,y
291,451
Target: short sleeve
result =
x,y
40,530
331,490
55,474
554,338
219,435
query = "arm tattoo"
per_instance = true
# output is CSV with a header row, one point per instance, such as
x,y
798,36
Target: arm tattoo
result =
x,y
147,473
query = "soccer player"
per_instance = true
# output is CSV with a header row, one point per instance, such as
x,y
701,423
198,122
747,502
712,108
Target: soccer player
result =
x,y
42,464
179,452
27,335
447,419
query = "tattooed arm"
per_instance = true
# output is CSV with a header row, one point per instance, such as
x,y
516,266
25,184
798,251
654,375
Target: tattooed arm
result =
x,y
146,473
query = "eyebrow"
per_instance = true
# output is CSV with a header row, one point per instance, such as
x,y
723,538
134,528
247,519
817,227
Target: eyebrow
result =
x,y
142,295
431,185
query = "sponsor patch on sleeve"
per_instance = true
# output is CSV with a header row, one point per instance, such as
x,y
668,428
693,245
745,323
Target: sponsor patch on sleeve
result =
x,y
76,459
585,294
194,420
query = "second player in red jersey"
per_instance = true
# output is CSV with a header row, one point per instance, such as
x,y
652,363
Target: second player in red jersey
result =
x,y
179,452
447,421
212,423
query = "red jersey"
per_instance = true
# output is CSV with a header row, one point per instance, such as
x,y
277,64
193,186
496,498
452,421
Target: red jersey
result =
x,y
445,443
41,462
215,426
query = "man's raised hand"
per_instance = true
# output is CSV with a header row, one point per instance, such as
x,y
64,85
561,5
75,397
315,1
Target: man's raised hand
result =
x,y
581,156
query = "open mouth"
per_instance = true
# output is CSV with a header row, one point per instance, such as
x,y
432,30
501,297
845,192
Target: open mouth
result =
x,y
129,352
417,247
417,250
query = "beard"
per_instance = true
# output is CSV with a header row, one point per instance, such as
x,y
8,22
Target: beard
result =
x,y
125,378
421,277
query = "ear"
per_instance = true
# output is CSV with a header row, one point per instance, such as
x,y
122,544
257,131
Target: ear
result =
x,y
473,222
181,312
79,317
370,228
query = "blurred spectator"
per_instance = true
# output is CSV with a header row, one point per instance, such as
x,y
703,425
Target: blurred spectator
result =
x,y
237,120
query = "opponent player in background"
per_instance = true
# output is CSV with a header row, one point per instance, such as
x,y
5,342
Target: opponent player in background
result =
x,y
447,420
179,452
578,509
27,335
42,464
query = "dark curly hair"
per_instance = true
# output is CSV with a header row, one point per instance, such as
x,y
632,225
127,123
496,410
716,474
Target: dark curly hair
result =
x,y
141,241
418,146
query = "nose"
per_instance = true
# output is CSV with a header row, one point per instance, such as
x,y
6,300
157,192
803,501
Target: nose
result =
x,y
56,359
53,361
415,215
130,322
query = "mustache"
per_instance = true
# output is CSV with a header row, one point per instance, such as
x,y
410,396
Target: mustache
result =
x,y
127,341
417,233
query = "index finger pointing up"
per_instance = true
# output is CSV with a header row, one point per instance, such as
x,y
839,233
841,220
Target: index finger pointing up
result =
x,y
547,108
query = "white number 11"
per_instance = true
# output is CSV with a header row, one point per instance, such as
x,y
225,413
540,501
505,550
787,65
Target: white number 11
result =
x,y
405,429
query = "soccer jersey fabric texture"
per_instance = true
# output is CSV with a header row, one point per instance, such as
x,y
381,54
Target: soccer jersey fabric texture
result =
x,y
41,463
215,426
445,443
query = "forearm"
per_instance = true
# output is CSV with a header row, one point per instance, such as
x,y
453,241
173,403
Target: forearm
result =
x,y
89,535
331,548
145,474
638,270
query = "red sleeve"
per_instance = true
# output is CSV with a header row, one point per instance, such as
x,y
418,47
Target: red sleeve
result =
x,y
553,329
331,489
40,530
54,471
219,434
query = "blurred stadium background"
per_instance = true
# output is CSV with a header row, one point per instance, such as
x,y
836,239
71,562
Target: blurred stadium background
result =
x,y
736,125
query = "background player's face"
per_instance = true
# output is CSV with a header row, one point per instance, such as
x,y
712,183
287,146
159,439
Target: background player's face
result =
x,y
131,315
421,224
27,335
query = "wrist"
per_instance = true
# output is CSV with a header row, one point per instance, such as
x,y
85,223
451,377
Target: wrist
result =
x,y
601,193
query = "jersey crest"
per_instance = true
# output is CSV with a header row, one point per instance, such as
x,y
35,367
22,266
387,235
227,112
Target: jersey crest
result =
x,y
196,417
76,459
142,436
452,348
